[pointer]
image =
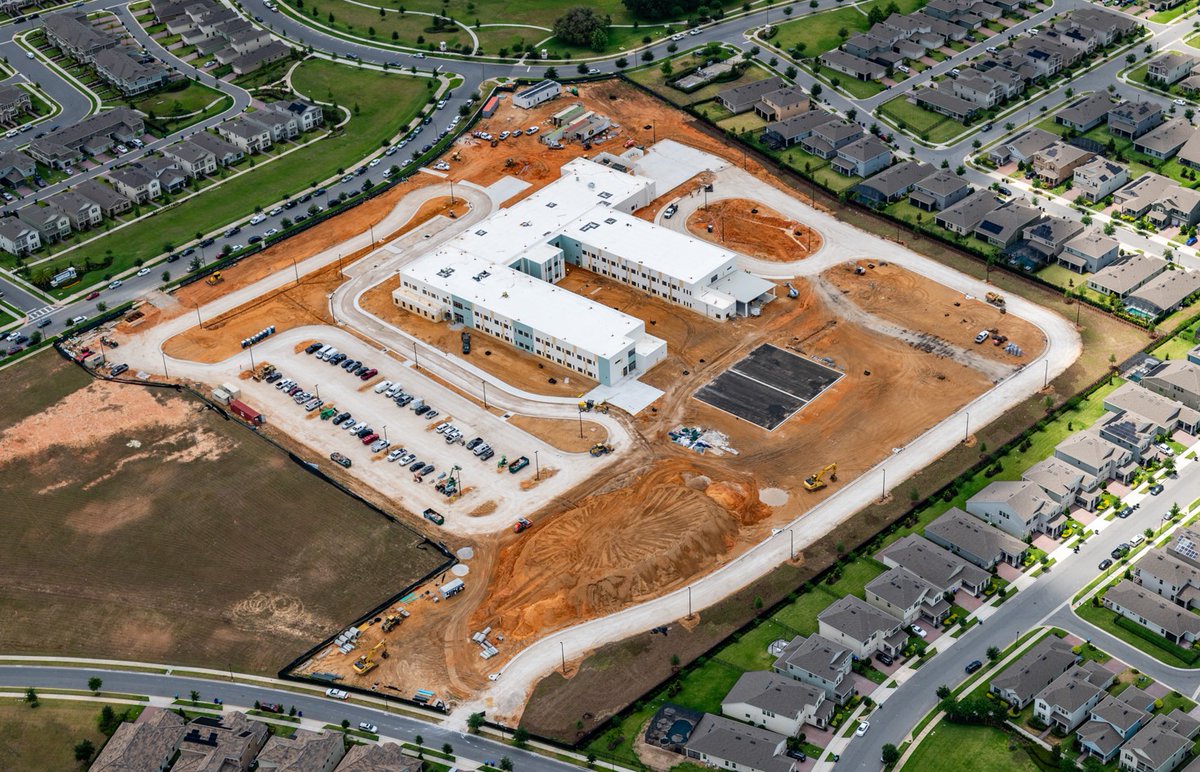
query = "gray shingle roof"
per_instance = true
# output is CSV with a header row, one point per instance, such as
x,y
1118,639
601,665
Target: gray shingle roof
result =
x,y
972,535
748,746
775,693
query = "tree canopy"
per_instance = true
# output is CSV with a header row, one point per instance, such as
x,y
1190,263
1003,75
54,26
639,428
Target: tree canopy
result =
x,y
579,27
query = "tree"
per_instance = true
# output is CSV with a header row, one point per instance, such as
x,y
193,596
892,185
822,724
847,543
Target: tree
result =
x,y
35,337
993,653
890,754
622,63
506,764
419,740
195,695
345,723
599,40
551,73
520,737
166,276
31,697
577,25
84,750
447,749
943,692
94,684
474,721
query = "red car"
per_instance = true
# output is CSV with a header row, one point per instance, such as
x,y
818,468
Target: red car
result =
x,y
369,374
92,296
370,438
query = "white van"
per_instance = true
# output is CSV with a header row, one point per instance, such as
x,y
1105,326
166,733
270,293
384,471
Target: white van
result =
x,y
982,336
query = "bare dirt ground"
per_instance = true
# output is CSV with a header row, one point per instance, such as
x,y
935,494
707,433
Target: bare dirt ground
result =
x,y
564,435
519,368
900,296
754,229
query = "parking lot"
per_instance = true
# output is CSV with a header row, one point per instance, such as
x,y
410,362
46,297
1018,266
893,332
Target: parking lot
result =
x,y
483,485
768,386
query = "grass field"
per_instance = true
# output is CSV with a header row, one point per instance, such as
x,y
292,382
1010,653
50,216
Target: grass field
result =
x,y
45,737
386,102
1106,621
953,747
819,32
926,124
166,534
653,78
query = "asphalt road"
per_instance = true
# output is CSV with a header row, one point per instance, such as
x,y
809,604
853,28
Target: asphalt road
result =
x,y
1044,602
321,708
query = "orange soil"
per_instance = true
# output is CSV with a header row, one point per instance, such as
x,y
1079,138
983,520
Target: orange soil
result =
x,y
563,435
900,296
754,229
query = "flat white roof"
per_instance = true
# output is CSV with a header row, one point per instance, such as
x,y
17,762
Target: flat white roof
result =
x,y
583,186
659,249
558,313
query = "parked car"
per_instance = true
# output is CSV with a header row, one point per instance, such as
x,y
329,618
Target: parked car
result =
x,y
918,631
1156,489
973,666
1125,512
863,726
1105,564
337,694
366,727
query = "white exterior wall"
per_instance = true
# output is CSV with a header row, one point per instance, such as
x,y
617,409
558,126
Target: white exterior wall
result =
x,y
789,726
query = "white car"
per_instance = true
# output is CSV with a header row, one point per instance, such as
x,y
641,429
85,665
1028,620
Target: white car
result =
x,y
276,211
918,631
10,133
374,162
383,386
1165,449
863,726
366,727
143,272
337,694
256,219
122,149
1180,102
271,232
593,71
115,283
903,68
29,55
677,36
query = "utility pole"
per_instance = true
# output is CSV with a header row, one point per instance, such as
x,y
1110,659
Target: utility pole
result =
x,y
537,469
164,359
563,651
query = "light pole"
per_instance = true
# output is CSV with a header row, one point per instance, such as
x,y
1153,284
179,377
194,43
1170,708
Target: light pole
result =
x,y
385,432
537,469
563,651
485,407
416,364
164,359
689,616
452,199
883,492
792,544
198,319
967,432
252,357
317,389
581,424
296,269
1046,377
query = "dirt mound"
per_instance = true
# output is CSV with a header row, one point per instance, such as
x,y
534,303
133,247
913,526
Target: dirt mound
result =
x,y
753,229
615,548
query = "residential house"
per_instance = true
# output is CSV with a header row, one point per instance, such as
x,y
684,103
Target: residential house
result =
x,y
1019,508
965,215
1150,610
854,66
1138,198
1005,224
979,90
946,572
1086,114
111,202
1165,140
942,190
80,211
17,238
225,153
862,628
743,97
1096,457
1035,670
170,175
149,743
74,35
782,103
1164,573
1167,415
862,157
1065,484
827,139
308,116
1164,293
790,131
1069,699
966,536
1161,745
1090,251
777,703
15,168
383,757
892,184
1189,154
1099,178
14,102
304,751
821,662
1133,119
1021,148
193,160
135,184
229,741
1124,276
906,596
1169,68
946,103
1176,380
279,121
273,51
1057,163
248,135
1111,723
51,224
129,74
93,135
1049,237
719,742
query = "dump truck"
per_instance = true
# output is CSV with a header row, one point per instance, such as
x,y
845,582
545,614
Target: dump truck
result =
x,y
214,279
996,299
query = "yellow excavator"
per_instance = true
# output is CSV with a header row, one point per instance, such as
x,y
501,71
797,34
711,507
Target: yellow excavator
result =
x,y
214,279
817,481
367,662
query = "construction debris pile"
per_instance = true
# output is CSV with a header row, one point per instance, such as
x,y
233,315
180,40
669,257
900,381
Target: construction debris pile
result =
x,y
488,649
702,440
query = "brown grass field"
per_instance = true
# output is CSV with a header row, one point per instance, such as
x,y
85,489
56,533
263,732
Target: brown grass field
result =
x,y
139,526
43,738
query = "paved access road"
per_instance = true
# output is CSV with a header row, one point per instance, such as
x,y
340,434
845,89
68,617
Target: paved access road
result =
x,y
473,747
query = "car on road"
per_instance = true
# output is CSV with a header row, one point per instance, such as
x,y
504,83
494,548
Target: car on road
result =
x,y
43,323
1105,564
368,727
1156,489
235,230
593,71
92,295
77,320
863,726
973,666
29,55
337,694
1180,102
143,272
1120,551
1125,512
115,283
276,211
374,162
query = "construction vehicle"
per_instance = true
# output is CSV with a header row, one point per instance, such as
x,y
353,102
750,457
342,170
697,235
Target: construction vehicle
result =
x,y
502,463
521,525
859,270
367,662
391,620
816,481
263,372
996,299
793,293
339,459
600,448
455,157
215,279
328,413
588,405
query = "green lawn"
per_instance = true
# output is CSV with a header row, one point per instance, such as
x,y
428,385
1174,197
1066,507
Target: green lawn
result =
x,y
170,111
801,615
1106,621
750,651
1163,17
653,78
619,39
819,32
45,737
386,101
957,748
1176,347
926,124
